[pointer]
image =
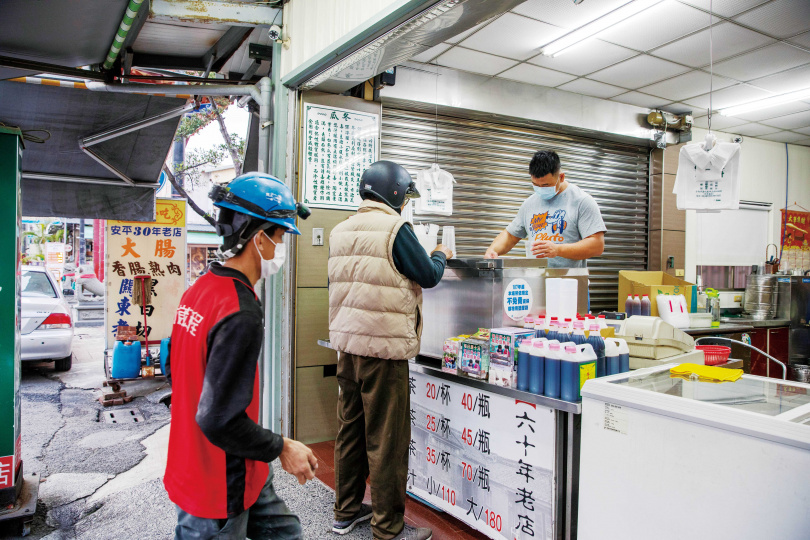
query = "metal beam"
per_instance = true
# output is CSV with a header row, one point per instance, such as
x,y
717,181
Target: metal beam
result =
x,y
53,69
228,44
84,180
108,134
215,12
164,61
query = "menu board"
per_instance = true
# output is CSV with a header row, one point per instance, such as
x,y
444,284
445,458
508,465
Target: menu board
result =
x,y
156,248
484,458
338,145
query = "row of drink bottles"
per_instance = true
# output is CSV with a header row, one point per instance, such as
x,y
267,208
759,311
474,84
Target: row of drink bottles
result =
x,y
557,363
637,306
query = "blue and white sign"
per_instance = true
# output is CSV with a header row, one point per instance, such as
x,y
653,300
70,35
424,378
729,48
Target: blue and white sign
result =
x,y
517,299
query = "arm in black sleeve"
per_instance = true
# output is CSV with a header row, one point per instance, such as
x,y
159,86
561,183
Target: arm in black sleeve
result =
x,y
233,350
414,263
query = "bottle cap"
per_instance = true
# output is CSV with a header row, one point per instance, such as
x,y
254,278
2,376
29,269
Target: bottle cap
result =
x,y
570,349
645,296
579,324
601,317
528,319
554,318
567,319
554,345
594,328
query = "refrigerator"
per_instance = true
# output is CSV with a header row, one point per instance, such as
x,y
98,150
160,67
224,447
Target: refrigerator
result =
x,y
794,304
671,459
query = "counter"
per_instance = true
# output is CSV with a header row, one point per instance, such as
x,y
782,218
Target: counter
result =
x,y
498,459
724,328
767,323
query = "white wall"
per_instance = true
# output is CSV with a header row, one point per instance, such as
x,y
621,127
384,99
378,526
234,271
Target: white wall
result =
x,y
762,179
314,25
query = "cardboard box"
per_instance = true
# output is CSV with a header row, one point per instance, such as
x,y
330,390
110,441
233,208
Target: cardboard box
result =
x,y
652,284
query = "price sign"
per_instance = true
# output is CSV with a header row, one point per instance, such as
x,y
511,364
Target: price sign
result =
x,y
484,458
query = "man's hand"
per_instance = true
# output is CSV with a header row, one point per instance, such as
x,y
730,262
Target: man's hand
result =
x,y
298,460
543,249
491,254
447,252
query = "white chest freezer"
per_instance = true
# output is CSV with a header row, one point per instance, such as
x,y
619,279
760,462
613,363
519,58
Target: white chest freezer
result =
x,y
671,459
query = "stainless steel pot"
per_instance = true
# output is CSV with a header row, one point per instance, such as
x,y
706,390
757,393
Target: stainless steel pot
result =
x,y
800,373
760,296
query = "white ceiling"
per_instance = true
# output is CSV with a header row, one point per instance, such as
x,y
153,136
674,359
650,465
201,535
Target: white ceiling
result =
x,y
657,59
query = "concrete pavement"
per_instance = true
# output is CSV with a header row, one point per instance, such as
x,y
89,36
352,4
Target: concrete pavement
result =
x,y
102,481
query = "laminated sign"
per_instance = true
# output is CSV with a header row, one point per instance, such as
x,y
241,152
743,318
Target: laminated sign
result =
x,y
338,145
484,458
157,249
796,238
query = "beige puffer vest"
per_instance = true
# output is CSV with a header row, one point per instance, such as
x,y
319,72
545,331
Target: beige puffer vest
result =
x,y
373,309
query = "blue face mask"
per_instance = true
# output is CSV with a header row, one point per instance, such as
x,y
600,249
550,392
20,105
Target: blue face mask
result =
x,y
546,193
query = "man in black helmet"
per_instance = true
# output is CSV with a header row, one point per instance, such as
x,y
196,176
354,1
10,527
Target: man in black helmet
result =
x,y
377,270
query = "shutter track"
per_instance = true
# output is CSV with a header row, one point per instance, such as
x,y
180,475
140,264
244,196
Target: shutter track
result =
x,y
490,163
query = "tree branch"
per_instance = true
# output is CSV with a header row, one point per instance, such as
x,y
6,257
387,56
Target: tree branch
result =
x,y
206,216
237,162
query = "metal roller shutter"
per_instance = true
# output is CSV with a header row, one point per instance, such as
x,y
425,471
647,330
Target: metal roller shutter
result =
x,y
490,164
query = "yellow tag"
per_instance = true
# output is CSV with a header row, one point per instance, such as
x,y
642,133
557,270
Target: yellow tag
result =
x,y
586,371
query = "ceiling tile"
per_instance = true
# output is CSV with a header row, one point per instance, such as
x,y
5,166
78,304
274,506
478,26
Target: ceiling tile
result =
x,y
474,61
567,14
774,112
723,123
686,85
726,8
753,130
785,137
728,39
790,121
781,18
678,108
431,53
806,130
787,81
803,142
640,100
639,71
474,29
655,26
536,75
762,62
733,95
513,36
592,88
588,57
802,39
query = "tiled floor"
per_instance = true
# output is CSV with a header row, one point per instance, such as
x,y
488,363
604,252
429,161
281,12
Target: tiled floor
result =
x,y
445,527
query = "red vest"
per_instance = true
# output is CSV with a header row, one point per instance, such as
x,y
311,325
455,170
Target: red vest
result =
x,y
196,476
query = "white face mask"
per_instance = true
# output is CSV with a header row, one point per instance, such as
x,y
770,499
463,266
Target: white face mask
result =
x,y
271,266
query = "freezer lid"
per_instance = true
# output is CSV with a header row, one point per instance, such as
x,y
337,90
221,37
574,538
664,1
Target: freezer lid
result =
x,y
756,406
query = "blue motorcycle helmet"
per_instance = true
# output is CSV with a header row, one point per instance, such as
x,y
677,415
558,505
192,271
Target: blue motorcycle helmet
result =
x,y
250,203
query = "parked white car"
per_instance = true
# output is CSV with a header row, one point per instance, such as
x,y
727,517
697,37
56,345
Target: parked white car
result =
x,y
46,327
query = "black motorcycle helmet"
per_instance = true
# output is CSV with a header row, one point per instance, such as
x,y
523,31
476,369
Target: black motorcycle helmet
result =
x,y
388,182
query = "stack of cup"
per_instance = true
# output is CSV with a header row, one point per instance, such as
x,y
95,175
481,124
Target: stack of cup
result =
x,y
449,238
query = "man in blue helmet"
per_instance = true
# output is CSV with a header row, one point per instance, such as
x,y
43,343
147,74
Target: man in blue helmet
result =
x,y
377,270
217,470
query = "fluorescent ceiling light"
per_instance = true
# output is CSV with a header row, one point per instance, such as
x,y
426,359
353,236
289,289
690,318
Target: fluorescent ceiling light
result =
x,y
590,30
766,103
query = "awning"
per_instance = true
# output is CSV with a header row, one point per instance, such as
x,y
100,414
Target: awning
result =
x,y
61,180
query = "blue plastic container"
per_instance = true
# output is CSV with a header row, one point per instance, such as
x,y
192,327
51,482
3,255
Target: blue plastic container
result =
x,y
551,383
522,366
126,363
164,354
598,345
578,336
537,362
577,365
624,356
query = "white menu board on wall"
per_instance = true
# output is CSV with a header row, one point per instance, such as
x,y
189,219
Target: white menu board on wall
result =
x,y
338,145
484,458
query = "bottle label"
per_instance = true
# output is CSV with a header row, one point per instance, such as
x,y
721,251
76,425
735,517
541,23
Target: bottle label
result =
x,y
586,371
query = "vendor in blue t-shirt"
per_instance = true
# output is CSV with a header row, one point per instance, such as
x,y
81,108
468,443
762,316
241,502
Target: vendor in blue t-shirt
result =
x,y
560,221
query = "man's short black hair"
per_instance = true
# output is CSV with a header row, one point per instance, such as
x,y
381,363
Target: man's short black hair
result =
x,y
544,162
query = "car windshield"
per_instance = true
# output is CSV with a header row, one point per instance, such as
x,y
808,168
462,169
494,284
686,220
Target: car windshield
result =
x,y
36,284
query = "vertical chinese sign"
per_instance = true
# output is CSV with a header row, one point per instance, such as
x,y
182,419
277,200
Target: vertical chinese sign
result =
x,y
157,249
338,145
482,457
796,239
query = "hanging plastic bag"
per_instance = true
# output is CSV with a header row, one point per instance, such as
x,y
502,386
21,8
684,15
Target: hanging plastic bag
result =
x,y
436,186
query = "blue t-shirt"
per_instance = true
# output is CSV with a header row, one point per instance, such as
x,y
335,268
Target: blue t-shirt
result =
x,y
567,218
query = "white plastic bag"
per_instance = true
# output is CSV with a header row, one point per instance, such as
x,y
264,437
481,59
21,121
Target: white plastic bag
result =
x,y
436,187
427,236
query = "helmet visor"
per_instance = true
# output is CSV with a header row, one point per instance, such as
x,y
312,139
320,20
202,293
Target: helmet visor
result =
x,y
412,192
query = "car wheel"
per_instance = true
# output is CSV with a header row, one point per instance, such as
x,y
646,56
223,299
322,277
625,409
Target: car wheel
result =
x,y
64,364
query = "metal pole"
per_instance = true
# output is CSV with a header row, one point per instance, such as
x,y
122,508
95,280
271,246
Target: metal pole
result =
x,y
82,180
265,124
178,89
108,134
763,353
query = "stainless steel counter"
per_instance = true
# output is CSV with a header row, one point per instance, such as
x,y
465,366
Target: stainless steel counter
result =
x,y
724,328
767,323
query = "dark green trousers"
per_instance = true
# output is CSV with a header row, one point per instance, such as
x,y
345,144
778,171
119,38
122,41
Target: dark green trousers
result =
x,y
372,442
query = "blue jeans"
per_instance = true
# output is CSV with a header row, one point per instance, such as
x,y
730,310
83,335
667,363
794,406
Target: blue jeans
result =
x,y
268,518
